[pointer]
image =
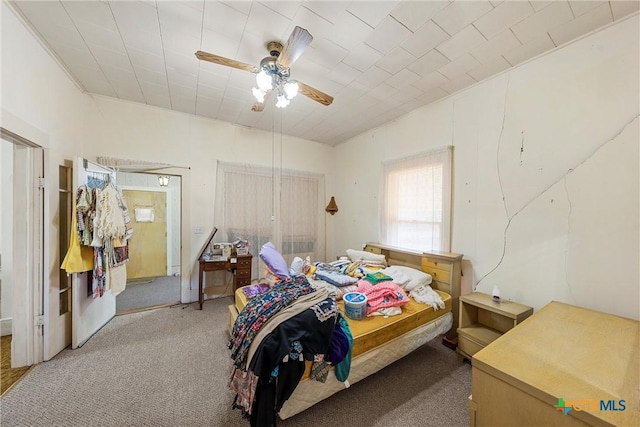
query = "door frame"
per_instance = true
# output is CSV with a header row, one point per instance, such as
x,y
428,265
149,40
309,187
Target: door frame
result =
x,y
27,343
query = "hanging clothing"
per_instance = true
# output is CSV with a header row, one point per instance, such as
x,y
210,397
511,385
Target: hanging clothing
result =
x,y
79,258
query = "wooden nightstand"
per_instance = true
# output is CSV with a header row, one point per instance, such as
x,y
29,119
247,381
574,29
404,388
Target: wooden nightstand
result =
x,y
482,321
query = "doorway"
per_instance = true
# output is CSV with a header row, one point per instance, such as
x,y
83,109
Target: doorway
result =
x,y
153,270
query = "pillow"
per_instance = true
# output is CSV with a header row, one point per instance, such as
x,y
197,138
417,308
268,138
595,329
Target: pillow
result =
x,y
297,266
407,277
274,261
355,255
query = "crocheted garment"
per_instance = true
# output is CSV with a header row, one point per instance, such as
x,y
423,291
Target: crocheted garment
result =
x,y
382,295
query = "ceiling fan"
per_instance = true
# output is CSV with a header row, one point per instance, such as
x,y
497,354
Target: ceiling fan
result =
x,y
273,73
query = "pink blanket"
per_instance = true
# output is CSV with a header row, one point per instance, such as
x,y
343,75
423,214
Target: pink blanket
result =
x,y
382,295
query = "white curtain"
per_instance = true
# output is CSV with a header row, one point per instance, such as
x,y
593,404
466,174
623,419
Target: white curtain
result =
x,y
415,211
263,204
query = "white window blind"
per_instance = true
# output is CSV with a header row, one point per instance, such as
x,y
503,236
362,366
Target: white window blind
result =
x,y
416,201
261,204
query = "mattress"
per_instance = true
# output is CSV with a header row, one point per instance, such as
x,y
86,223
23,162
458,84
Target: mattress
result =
x,y
372,331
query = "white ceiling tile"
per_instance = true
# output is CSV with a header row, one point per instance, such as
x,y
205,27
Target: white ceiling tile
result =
x,y
158,101
145,59
372,12
242,80
495,2
488,69
129,90
433,95
184,64
581,7
425,39
430,81
45,13
210,93
548,18
502,17
252,49
93,80
179,41
538,5
73,57
100,36
218,44
237,93
177,90
458,83
143,41
351,92
326,53
213,80
496,46
109,57
287,8
459,14
414,14
387,35
428,63
402,79
344,74
95,13
362,57
583,24
348,31
529,50
225,20
240,6
61,35
150,76
463,42
177,16
459,66
373,77
396,60
317,26
332,11
150,89
135,15
621,9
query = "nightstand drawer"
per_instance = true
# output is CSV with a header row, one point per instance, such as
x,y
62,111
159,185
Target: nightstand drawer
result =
x,y
432,263
468,345
439,274
242,281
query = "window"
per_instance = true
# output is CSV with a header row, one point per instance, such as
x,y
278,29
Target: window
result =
x,y
416,201
261,204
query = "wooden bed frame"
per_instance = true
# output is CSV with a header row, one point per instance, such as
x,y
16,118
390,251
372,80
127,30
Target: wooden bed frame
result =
x,y
445,270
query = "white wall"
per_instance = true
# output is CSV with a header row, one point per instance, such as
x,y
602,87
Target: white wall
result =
x,y
546,173
126,129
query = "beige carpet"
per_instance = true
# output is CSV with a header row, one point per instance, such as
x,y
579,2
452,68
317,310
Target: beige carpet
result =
x,y
169,367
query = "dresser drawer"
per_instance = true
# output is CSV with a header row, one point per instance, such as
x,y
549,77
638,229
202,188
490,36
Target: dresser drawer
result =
x,y
244,262
243,273
432,263
242,281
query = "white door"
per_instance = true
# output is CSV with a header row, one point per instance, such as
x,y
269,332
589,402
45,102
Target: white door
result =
x,y
89,314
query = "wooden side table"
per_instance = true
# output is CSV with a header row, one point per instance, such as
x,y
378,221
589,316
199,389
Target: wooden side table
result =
x,y
239,266
482,321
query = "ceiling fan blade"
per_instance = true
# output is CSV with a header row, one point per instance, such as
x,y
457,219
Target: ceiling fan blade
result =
x,y
204,56
297,43
315,94
259,106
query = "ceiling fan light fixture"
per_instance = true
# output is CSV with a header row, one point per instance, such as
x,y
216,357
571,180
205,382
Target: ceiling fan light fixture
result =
x,y
291,89
264,81
258,94
282,101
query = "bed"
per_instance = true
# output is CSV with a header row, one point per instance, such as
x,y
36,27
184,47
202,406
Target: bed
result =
x,y
379,341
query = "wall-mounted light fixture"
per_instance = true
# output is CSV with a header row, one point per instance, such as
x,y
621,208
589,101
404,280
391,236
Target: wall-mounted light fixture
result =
x,y
163,180
332,207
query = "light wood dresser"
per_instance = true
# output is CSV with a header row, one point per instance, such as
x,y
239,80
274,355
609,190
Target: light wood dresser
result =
x,y
563,366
